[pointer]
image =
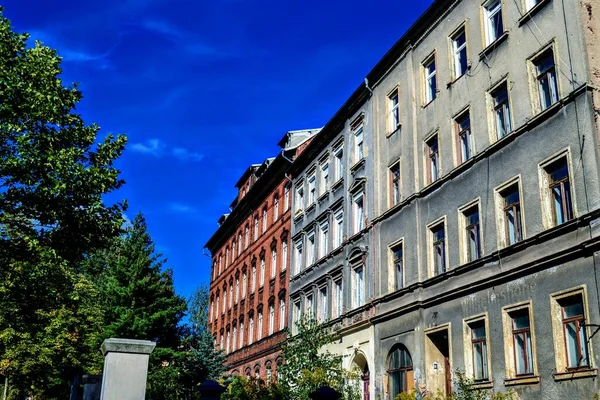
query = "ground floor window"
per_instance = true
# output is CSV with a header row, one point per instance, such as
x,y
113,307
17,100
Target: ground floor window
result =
x,y
400,371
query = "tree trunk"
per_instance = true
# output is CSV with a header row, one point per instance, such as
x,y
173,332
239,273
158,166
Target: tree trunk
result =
x,y
5,388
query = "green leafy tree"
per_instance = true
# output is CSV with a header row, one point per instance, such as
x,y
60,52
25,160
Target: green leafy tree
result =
x,y
54,174
241,388
308,365
138,301
204,361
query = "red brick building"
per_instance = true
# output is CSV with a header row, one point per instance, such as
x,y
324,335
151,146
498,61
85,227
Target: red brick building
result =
x,y
250,250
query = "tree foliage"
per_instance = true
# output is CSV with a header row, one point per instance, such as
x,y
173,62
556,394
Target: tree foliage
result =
x,y
53,176
308,365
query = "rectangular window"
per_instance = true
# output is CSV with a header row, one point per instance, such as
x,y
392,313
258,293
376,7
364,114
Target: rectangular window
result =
x,y
282,315
259,332
312,190
309,306
438,242
358,215
395,184
359,286
430,79
521,341
244,285
262,272
286,197
251,330
465,138
264,220
323,304
398,266
433,159
253,278
512,214
241,335
275,208
339,299
394,111
310,249
573,323
273,262
459,51
284,255
299,201
546,79
339,162
298,257
323,239
246,236
559,186
501,111
338,229
324,175
472,233
358,144
479,350
271,319
296,311
255,228
237,290
494,27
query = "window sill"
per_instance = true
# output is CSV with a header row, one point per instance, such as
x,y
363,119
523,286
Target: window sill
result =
x,y
311,207
582,373
323,196
338,184
522,380
531,13
298,216
360,163
493,46
425,105
453,81
483,385
392,133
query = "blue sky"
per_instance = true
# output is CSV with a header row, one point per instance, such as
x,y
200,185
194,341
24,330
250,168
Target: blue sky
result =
x,y
203,88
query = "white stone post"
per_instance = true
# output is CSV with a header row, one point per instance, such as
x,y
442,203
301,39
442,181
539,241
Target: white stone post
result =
x,y
125,368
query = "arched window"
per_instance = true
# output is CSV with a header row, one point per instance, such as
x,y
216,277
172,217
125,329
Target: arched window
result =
x,y
400,371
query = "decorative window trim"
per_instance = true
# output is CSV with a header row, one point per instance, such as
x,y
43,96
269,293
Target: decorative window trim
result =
x,y
562,371
501,233
468,348
536,105
492,128
430,256
451,52
392,277
431,57
546,201
463,242
511,377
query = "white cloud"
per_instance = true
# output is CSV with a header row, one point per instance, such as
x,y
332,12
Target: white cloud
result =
x,y
185,155
153,147
180,208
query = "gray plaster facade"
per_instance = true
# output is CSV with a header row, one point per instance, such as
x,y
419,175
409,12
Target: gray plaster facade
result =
x,y
462,232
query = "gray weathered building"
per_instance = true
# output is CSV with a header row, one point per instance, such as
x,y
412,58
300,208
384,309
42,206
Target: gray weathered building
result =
x,y
479,234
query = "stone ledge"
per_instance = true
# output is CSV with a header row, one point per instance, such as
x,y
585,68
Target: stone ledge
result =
x,y
132,346
583,373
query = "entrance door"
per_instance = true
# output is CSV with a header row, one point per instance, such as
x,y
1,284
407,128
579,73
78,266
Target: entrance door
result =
x,y
439,369
366,383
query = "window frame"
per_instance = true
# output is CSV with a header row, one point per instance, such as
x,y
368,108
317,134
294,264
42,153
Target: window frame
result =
x,y
310,248
358,140
393,111
488,12
469,344
501,208
430,79
338,157
495,107
358,213
396,284
533,63
434,243
456,51
324,176
323,244
432,158
510,347
395,183
549,217
464,237
312,187
338,228
406,372
563,371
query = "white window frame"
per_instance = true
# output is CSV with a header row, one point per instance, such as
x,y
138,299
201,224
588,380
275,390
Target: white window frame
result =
x,y
323,247
457,50
338,229
359,137
502,234
312,188
310,248
271,319
431,258
275,208
464,240
282,315
393,102
338,153
263,267
284,255
430,84
358,285
509,344
299,198
298,256
323,304
324,177
490,9
273,262
358,212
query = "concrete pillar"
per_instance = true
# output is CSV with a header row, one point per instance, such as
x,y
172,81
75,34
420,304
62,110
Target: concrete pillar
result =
x,y
125,368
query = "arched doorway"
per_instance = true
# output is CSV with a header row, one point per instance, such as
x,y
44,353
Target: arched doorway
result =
x,y
360,364
400,371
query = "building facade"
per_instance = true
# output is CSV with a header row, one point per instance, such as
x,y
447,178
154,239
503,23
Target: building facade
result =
x,y
462,230
250,264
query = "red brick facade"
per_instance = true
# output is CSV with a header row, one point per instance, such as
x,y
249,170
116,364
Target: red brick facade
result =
x,y
250,273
